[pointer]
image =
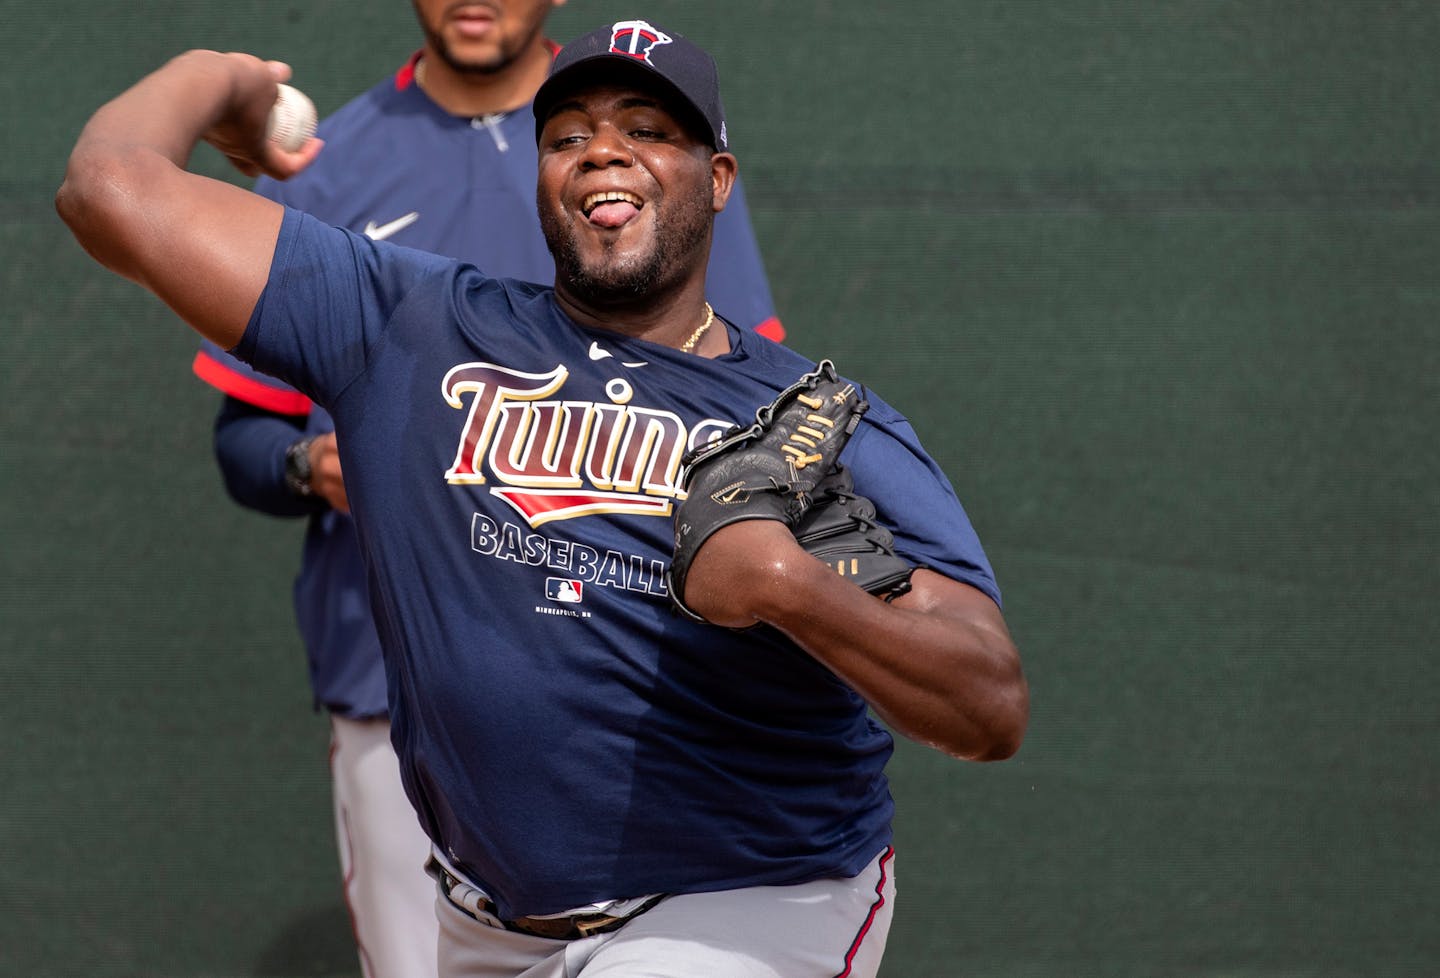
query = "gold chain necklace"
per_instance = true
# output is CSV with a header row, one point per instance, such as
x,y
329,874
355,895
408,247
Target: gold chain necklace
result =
x,y
689,344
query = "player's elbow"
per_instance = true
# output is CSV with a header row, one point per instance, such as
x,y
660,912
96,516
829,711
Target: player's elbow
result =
x,y
1000,747
100,199
996,732
89,192
1009,733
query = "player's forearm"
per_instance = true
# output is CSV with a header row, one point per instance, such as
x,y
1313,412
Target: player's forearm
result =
x,y
171,109
131,144
250,446
939,677
203,246
937,664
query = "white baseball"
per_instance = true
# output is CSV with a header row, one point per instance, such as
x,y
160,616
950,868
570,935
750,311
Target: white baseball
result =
x,y
292,119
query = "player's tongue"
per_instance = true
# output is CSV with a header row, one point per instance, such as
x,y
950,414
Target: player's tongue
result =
x,y
614,213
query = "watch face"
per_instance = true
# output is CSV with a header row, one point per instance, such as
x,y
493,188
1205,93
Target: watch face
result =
x,y
297,468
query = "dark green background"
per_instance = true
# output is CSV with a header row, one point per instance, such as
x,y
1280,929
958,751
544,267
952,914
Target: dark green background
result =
x,y
1156,282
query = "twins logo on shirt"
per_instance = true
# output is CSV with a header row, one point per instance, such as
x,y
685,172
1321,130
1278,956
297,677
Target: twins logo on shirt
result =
x,y
557,459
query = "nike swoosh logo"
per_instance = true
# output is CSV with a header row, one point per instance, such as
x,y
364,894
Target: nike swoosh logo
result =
x,y
596,353
379,232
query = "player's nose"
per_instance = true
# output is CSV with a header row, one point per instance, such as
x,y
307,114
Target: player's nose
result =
x,y
607,146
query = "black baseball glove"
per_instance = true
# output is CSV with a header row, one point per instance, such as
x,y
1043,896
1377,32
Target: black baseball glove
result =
x,y
771,470
840,529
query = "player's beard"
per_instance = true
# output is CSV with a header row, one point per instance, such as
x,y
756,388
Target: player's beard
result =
x,y
507,48
502,59
680,239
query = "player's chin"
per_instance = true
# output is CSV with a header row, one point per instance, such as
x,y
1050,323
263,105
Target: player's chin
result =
x,y
474,52
630,241
611,275
613,261
619,275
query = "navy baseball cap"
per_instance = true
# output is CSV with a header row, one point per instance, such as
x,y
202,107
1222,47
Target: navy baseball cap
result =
x,y
638,46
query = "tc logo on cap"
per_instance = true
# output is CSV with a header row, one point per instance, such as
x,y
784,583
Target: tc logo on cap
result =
x,y
635,38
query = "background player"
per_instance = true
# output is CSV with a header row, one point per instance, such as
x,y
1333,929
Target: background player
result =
x,y
611,789
442,157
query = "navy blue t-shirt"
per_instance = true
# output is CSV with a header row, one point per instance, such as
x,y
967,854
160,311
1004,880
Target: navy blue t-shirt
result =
x,y
564,735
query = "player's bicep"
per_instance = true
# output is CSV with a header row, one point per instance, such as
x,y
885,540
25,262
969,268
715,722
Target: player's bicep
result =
x,y
934,593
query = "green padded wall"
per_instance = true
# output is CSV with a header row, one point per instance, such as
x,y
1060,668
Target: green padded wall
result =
x,y
1156,281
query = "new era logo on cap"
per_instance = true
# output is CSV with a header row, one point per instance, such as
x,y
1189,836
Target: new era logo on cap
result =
x,y
660,56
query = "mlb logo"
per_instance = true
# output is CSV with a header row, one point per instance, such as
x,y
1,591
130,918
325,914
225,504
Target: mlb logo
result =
x,y
564,590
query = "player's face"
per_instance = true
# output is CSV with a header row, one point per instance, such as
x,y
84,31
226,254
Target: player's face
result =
x,y
627,194
482,35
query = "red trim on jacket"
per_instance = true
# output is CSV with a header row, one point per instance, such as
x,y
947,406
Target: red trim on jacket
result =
x,y
772,330
406,74
247,389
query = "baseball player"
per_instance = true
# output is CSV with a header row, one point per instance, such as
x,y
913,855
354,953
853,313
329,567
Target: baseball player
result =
x,y
441,157
630,705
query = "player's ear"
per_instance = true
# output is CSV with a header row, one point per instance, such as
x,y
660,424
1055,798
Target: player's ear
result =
x,y
723,169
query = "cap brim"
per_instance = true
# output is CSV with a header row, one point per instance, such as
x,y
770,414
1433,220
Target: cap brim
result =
x,y
611,69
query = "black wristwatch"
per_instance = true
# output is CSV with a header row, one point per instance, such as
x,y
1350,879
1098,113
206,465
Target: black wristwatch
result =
x,y
297,468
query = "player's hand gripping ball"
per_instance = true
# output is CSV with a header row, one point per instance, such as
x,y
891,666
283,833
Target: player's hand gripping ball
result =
x,y
292,119
767,471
